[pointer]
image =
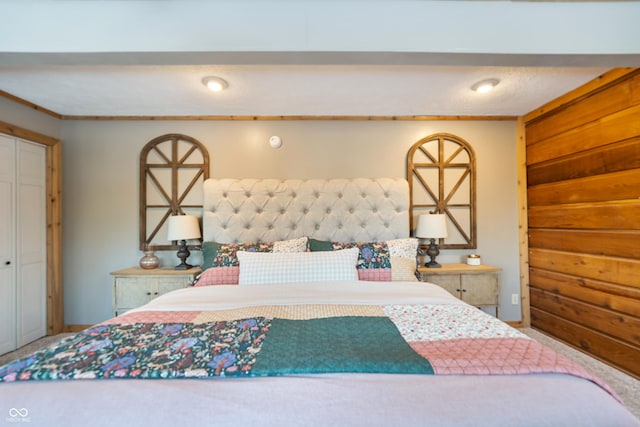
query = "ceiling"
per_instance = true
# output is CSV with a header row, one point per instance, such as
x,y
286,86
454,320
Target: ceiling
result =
x,y
77,65
342,90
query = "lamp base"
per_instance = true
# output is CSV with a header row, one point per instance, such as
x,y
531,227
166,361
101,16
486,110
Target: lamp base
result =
x,y
432,265
183,266
433,252
183,254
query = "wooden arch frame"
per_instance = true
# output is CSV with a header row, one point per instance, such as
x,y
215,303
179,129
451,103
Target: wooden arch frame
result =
x,y
175,152
439,154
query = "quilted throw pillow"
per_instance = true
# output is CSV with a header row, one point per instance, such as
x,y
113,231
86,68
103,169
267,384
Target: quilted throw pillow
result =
x,y
379,261
403,254
267,268
221,265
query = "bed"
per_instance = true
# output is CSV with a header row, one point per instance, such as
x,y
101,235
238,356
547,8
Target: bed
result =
x,y
306,314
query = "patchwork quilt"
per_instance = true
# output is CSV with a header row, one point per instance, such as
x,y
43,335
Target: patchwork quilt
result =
x,y
255,341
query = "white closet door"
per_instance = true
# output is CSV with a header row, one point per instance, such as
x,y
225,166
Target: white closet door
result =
x,y
7,246
31,242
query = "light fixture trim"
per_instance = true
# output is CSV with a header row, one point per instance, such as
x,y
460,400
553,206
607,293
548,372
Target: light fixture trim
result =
x,y
275,142
215,84
485,85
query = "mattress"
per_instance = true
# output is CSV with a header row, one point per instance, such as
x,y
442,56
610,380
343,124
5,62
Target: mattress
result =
x,y
309,353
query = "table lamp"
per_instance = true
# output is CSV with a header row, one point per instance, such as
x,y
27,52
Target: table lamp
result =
x,y
183,228
432,226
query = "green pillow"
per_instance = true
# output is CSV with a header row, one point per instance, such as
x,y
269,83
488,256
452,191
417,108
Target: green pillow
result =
x,y
209,252
320,245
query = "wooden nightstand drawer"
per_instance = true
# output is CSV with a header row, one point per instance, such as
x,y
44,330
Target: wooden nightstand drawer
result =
x,y
477,285
131,292
480,289
133,287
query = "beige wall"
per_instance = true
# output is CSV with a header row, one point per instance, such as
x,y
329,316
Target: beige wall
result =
x,y
28,118
100,184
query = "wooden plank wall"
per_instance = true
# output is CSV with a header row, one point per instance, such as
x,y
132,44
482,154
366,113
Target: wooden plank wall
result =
x,y
583,195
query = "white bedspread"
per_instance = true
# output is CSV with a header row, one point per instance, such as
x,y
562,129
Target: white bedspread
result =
x,y
356,292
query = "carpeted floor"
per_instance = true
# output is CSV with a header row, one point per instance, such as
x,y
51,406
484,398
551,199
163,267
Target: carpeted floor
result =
x,y
627,387
30,348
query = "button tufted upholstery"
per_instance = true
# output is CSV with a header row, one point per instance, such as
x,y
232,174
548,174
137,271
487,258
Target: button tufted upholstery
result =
x,y
345,210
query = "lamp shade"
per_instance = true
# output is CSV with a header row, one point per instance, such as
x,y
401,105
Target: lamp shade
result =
x,y
431,226
183,227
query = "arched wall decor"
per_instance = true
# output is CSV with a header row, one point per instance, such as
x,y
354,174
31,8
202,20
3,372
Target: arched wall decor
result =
x,y
173,168
441,173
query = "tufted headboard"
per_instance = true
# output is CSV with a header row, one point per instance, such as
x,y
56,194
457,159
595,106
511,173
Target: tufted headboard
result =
x,y
347,210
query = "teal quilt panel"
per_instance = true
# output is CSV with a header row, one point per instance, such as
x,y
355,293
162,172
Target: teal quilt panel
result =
x,y
337,344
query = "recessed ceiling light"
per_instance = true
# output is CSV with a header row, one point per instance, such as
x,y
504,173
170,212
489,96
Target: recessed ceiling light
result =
x,y
215,84
485,86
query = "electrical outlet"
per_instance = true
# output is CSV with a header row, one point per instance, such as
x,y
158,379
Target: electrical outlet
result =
x,y
514,299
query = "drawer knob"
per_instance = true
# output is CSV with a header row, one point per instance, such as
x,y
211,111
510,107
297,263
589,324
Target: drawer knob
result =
x,y
148,293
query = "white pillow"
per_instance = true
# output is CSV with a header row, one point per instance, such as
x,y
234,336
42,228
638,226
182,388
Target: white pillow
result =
x,y
403,248
403,269
258,268
403,253
292,245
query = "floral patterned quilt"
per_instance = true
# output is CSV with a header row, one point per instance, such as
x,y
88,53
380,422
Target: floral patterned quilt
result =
x,y
282,340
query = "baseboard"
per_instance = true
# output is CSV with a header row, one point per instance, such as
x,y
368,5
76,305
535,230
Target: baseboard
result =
x,y
515,323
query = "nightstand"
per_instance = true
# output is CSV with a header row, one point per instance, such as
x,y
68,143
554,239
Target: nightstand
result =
x,y
133,287
478,285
